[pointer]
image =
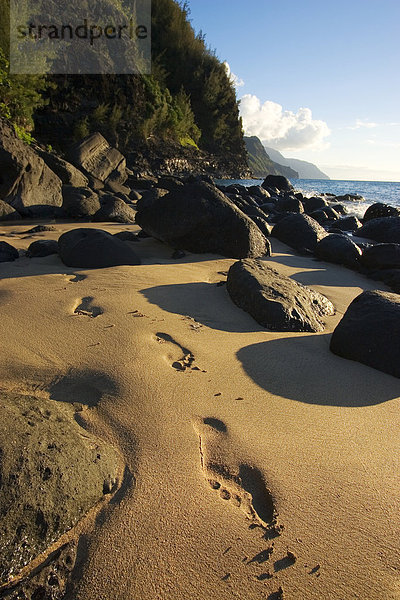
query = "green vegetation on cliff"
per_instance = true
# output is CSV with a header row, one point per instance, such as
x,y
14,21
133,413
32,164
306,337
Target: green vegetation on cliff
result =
x,y
188,99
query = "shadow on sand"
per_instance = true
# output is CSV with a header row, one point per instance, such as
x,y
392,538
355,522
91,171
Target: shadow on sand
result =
x,y
303,368
207,303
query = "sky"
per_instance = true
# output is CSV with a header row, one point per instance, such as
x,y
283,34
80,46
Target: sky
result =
x,y
317,80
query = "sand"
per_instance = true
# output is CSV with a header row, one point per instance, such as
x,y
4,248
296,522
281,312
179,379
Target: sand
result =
x,y
301,447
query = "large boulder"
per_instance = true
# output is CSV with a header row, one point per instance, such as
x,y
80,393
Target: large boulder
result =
x,y
7,212
52,473
114,209
26,182
339,249
94,249
200,218
274,300
95,156
299,231
289,204
80,202
382,256
42,248
379,210
68,174
314,203
279,182
385,229
370,331
7,252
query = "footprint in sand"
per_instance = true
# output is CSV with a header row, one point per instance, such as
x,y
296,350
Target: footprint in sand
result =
x,y
86,308
181,357
76,278
242,484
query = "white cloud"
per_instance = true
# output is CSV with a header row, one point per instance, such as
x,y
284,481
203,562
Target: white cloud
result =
x,y
282,129
360,124
237,82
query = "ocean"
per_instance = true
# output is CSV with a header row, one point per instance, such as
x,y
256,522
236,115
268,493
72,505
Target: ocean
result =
x,y
373,191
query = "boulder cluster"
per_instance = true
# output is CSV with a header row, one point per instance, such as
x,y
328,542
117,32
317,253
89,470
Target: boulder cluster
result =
x,y
193,214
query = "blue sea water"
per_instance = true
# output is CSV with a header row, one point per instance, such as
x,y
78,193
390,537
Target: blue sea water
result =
x,y
373,191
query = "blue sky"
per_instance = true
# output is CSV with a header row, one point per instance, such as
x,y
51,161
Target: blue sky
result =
x,y
339,60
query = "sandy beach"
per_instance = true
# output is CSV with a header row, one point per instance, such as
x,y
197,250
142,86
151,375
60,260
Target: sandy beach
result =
x,y
196,396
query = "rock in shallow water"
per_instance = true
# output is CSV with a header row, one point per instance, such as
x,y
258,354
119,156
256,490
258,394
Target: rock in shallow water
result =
x,y
51,473
274,300
369,332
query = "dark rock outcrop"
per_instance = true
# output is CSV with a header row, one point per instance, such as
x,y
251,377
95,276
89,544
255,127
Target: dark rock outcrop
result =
x,y
370,331
279,182
94,249
26,182
7,252
42,248
114,209
385,229
299,231
51,471
379,210
275,301
200,218
339,249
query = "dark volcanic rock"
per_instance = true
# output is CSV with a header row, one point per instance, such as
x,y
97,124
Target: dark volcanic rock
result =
x,y
114,209
278,181
7,212
275,301
68,174
40,229
94,249
42,248
314,203
95,156
338,249
348,224
262,224
299,231
199,218
385,229
382,256
26,182
289,204
51,472
7,252
370,331
80,202
379,210
127,236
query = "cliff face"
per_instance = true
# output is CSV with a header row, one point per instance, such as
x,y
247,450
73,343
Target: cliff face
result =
x,y
306,170
160,157
261,164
